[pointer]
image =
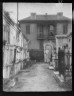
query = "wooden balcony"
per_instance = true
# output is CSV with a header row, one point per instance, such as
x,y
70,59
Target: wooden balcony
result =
x,y
50,37
42,36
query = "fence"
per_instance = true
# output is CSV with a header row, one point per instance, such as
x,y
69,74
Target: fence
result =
x,y
68,63
67,66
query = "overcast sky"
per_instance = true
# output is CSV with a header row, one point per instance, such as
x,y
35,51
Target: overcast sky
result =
x,y
39,8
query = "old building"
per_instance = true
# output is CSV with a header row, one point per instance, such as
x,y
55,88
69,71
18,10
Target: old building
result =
x,y
15,47
43,28
9,42
63,38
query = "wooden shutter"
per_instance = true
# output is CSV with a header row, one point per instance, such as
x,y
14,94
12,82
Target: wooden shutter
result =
x,y
27,29
64,28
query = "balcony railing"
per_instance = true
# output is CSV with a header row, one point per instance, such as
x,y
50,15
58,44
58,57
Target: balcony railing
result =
x,y
50,37
42,36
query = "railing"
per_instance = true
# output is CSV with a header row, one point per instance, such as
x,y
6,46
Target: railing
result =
x,y
50,37
67,65
42,36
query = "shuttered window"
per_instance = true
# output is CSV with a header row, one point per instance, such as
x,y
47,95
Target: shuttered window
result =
x,y
41,45
51,30
27,29
64,28
41,28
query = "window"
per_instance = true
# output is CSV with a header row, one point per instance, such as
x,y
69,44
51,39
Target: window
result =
x,y
41,45
27,29
41,28
51,27
51,30
64,28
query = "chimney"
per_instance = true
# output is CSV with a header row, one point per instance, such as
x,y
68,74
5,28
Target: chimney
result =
x,y
60,13
33,15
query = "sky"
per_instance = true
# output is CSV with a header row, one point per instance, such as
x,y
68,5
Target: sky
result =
x,y
25,9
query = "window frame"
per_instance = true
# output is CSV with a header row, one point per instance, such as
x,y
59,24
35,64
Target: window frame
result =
x,y
65,28
41,28
51,31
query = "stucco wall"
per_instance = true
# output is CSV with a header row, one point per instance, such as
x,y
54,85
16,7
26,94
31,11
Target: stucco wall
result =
x,y
34,44
45,30
70,27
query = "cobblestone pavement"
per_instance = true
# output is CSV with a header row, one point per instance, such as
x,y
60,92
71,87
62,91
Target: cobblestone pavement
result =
x,y
36,78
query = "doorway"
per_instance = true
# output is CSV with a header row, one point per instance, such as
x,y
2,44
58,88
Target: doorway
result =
x,y
48,50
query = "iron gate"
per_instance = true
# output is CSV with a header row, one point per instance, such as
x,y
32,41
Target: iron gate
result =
x,y
68,64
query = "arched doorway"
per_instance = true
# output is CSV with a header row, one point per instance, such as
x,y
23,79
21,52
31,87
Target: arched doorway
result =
x,y
48,50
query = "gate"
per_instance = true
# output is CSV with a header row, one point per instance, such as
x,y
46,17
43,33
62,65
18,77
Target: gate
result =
x,y
68,64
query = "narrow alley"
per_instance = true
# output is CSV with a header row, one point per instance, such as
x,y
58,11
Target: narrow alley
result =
x,y
36,78
37,47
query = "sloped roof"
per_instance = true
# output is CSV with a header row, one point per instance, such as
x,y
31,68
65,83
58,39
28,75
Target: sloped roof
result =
x,y
46,18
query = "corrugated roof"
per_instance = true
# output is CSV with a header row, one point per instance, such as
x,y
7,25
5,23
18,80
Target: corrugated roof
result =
x,y
46,17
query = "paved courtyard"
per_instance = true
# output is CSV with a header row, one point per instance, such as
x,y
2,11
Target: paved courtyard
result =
x,y
36,78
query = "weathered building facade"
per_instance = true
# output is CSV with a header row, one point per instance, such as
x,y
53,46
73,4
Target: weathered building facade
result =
x,y
43,28
14,47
